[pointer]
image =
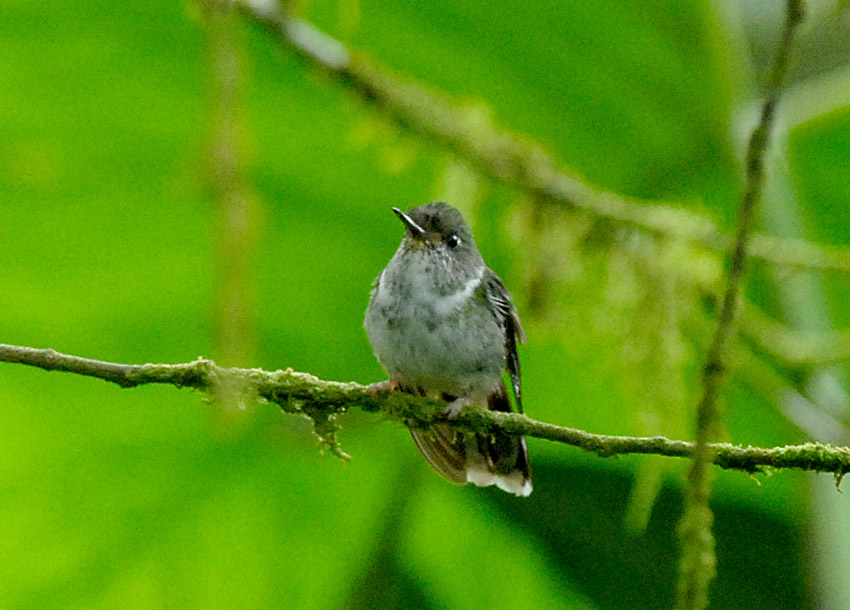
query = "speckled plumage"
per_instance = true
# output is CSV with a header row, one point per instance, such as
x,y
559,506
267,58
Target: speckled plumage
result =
x,y
442,324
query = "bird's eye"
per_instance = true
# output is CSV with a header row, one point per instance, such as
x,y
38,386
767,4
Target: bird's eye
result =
x,y
452,241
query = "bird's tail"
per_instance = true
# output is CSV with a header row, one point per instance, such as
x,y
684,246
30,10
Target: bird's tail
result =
x,y
482,459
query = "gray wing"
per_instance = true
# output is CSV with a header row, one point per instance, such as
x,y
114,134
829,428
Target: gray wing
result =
x,y
506,314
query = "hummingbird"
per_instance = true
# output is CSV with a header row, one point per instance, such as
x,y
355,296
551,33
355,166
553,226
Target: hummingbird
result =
x,y
442,324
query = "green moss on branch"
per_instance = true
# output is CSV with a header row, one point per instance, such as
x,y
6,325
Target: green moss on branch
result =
x,y
324,401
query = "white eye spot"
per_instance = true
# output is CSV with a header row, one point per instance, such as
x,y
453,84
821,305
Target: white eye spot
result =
x,y
452,241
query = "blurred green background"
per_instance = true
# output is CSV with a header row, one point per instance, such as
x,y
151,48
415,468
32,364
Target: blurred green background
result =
x,y
109,237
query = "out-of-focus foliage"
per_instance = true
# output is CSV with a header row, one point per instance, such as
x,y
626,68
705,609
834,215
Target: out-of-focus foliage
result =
x,y
149,498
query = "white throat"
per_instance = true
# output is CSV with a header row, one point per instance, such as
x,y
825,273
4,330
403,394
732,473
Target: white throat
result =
x,y
445,305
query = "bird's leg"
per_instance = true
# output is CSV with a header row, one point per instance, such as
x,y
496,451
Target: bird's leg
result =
x,y
455,406
382,387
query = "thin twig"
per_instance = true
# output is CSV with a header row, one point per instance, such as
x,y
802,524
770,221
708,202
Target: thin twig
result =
x,y
322,401
236,206
793,348
514,159
698,559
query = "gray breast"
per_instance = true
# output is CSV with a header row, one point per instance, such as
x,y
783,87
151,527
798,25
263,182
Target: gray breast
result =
x,y
439,345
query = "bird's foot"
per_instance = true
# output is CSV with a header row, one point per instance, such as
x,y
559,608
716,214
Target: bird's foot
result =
x,y
454,408
381,387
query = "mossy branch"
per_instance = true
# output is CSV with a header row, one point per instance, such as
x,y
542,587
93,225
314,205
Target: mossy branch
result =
x,y
322,401
510,158
522,163
697,564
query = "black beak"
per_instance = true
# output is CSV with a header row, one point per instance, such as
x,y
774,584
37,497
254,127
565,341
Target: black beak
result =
x,y
415,229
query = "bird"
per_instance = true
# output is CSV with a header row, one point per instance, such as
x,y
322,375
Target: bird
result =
x,y
442,324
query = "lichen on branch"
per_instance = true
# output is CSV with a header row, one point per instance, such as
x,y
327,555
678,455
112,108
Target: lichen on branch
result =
x,y
511,158
324,401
